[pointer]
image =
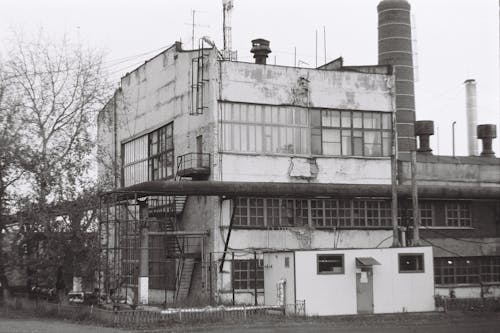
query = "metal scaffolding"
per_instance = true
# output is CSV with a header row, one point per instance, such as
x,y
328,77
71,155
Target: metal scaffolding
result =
x,y
140,244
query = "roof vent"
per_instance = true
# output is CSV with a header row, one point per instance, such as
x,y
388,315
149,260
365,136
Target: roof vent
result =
x,y
260,50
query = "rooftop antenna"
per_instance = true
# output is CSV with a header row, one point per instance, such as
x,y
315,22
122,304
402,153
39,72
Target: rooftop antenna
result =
x,y
316,47
227,6
324,43
193,25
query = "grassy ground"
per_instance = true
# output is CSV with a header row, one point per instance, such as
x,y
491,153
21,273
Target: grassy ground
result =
x,y
21,321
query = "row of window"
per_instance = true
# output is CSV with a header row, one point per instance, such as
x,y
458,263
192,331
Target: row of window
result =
x,y
456,270
249,274
334,263
149,157
327,213
296,130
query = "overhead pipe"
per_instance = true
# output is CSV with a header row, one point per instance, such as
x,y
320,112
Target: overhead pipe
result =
x,y
302,190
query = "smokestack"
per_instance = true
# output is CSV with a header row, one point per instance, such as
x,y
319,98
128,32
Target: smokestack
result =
x,y
394,48
487,133
260,50
424,129
471,111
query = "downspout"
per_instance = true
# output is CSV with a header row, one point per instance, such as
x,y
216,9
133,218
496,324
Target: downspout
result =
x,y
226,243
394,167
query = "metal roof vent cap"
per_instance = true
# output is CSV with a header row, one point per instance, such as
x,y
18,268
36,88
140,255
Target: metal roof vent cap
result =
x,y
487,132
424,129
260,50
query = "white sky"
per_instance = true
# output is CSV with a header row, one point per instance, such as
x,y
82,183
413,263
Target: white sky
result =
x,y
457,40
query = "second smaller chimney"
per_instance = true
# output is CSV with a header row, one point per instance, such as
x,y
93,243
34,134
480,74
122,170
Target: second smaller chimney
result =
x,y
260,50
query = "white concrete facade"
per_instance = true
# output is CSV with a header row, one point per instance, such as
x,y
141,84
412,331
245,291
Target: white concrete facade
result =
x,y
335,294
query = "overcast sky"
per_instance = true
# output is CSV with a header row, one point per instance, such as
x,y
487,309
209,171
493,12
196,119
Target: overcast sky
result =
x,y
456,40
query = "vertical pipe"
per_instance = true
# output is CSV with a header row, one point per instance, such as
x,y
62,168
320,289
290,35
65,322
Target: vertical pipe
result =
x,y
394,171
210,278
232,274
471,112
255,276
294,56
414,198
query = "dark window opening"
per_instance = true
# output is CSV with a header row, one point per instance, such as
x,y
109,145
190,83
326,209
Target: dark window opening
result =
x,y
330,263
411,263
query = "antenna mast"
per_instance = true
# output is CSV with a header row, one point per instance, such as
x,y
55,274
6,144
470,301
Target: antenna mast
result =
x,y
227,6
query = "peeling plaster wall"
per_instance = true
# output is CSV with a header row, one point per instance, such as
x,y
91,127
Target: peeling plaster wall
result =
x,y
262,168
159,92
260,84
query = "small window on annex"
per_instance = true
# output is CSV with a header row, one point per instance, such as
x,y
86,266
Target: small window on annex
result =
x,y
411,263
330,263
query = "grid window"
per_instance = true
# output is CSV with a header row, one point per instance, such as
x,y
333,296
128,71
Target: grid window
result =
x,y
458,214
426,208
149,157
466,270
330,263
354,133
320,213
269,129
246,274
490,269
411,263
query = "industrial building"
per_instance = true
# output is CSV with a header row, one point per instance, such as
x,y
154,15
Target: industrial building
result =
x,y
211,163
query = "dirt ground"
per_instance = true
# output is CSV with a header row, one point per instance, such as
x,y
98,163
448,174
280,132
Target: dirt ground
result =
x,y
415,323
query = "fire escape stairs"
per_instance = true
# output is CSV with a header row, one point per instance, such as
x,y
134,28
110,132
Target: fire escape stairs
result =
x,y
184,278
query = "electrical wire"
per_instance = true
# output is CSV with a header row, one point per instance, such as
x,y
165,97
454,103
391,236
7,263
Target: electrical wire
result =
x,y
442,248
383,240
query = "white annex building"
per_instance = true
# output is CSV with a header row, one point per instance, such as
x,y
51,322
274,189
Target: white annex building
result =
x,y
351,281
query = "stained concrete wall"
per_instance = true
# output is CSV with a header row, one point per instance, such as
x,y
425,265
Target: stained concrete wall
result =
x,y
278,85
335,294
275,271
260,168
157,93
462,171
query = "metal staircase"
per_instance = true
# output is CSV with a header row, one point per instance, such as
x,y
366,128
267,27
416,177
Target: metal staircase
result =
x,y
184,277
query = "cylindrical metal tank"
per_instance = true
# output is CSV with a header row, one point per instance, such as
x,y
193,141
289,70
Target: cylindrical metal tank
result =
x,y
395,48
471,111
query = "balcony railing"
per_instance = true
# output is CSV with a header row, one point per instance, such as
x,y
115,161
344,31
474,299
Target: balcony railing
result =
x,y
195,165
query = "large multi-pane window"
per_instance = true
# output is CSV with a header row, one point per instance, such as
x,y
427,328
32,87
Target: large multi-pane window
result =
x,y
458,214
426,208
265,129
351,133
248,274
299,130
149,157
320,213
456,270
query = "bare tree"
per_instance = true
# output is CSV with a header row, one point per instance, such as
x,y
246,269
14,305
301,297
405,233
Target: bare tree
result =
x,y
11,163
59,88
